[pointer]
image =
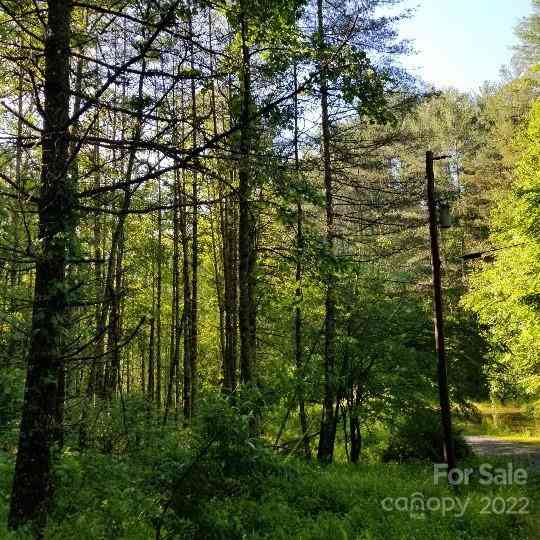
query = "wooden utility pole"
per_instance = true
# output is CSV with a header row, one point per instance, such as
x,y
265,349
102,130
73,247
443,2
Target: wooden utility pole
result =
x,y
438,316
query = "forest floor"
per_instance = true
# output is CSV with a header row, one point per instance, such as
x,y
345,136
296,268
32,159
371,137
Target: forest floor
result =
x,y
104,497
237,490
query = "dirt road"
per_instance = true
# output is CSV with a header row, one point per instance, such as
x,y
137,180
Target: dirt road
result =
x,y
491,446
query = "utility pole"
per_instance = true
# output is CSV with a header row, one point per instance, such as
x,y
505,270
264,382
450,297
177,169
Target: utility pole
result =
x,y
438,316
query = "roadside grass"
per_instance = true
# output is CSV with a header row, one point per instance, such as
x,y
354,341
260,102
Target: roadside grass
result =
x,y
511,422
498,408
524,438
487,428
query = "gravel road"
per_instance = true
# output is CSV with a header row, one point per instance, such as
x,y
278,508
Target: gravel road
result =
x,y
491,446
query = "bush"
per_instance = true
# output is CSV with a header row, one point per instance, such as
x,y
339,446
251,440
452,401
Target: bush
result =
x,y
111,497
224,460
419,438
11,396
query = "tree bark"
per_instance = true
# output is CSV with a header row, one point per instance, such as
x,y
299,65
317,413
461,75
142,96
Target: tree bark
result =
x,y
187,306
356,438
230,275
159,287
151,356
114,328
194,335
328,425
176,322
217,225
32,484
246,231
298,342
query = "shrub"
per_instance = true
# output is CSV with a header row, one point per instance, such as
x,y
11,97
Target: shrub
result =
x,y
11,395
224,460
419,438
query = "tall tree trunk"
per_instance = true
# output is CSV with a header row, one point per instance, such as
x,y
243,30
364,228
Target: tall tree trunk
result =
x,y
298,345
246,231
99,346
176,322
94,376
114,286
58,431
128,372
186,280
217,264
13,269
230,265
32,485
356,435
142,355
151,356
187,305
216,225
194,244
328,425
229,255
115,319
159,287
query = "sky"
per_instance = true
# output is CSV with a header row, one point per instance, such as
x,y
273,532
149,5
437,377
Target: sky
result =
x,y
462,43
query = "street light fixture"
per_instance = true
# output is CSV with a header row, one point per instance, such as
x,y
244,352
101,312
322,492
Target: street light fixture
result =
x,y
445,219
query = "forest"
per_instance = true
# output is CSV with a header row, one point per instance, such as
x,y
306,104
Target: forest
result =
x,y
231,305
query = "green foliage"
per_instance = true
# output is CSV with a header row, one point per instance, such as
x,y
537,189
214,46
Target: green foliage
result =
x,y
216,475
104,499
503,293
216,481
11,395
419,437
527,51
99,496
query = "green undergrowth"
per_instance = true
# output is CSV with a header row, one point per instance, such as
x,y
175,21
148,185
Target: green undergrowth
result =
x,y
106,497
217,481
513,422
